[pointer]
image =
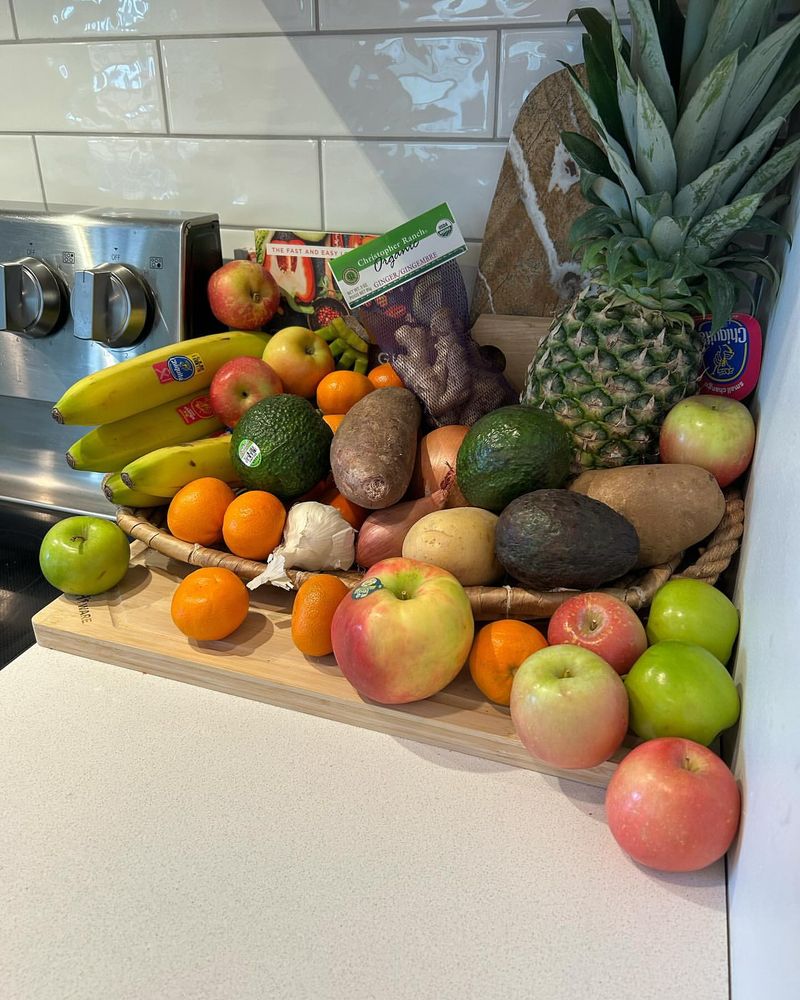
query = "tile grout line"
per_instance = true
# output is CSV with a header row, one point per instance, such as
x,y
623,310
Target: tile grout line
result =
x,y
316,16
163,88
13,15
39,171
497,72
322,207
354,32
417,140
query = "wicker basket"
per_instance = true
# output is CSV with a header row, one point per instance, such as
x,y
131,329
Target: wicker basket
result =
x,y
488,603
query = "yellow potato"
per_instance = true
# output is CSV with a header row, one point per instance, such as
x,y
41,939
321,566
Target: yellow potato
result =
x,y
460,540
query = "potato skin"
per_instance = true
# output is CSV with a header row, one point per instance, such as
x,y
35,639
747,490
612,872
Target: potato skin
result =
x,y
373,451
460,540
672,507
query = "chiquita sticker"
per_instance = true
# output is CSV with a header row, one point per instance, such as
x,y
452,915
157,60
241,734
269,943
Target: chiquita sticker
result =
x,y
732,356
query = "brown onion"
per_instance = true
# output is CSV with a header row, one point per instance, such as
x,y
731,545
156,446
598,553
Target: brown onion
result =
x,y
384,531
436,459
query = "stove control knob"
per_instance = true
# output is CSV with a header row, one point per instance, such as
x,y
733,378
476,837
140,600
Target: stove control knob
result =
x,y
111,304
32,297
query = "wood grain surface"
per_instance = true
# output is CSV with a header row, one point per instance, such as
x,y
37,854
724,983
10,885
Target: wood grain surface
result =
x,y
131,626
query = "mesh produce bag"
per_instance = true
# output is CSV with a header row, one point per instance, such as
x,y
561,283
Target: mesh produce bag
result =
x,y
423,327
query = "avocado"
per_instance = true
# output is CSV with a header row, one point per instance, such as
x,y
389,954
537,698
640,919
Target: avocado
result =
x,y
557,538
511,451
281,445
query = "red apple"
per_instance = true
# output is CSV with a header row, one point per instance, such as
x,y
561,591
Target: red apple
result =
x,y
569,707
673,805
301,359
603,624
239,384
243,295
715,432
404,632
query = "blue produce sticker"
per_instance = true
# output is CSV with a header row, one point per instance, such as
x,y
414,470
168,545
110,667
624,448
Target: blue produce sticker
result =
x,y
366,587
180,367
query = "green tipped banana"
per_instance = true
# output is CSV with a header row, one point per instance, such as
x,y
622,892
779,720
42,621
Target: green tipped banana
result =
x,y
167,470
122,496
362,365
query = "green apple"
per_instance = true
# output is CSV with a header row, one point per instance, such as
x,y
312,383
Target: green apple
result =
x,y
680,689
84,555
693,611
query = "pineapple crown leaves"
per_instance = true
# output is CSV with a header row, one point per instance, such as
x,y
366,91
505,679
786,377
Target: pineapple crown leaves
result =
x,y
686,115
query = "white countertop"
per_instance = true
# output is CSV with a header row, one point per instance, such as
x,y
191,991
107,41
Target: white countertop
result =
x,y
164,842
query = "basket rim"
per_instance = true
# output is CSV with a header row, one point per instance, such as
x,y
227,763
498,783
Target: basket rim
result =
x,y
488,603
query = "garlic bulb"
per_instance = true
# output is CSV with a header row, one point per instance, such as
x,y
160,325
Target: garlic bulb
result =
x,y
315,537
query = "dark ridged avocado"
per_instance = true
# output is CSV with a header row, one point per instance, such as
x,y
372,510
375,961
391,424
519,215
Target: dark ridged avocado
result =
x,y
556,538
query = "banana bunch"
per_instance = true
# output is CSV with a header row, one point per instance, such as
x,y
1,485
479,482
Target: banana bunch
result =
x,y
149,410
348,347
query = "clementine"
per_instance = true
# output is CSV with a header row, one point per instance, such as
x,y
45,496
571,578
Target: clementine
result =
x,y
341,390
383,376
197,511
312,614
351,512
497,652
210,603
253,524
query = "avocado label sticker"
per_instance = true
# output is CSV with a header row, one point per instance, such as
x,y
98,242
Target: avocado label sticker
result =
x,y
366,587
249,453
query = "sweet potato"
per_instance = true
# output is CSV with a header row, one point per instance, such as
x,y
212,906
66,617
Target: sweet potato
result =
x,y
672,507
373,451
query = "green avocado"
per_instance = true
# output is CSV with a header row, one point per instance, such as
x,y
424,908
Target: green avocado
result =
x,y
281,445
557,538
512,451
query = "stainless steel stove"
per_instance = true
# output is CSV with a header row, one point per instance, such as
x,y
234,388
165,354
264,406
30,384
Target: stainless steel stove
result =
x,y
78,293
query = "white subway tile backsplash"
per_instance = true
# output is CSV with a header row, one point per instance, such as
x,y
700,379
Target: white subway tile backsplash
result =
x,y
247,181
358,14
398,85
96,87
374,186
527,57
6,24
19,177
104,18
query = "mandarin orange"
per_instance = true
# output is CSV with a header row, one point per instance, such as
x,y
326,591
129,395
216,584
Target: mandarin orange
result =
x,y
497,652
197,511
210,603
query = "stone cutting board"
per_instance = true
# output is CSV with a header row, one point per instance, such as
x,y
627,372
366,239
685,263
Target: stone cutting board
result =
x,y
526,268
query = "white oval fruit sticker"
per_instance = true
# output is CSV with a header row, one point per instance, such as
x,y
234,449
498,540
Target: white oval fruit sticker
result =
x,y
249,453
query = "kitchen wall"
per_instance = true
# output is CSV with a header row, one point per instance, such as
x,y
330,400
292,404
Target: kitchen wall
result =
x,y
764,866
308,114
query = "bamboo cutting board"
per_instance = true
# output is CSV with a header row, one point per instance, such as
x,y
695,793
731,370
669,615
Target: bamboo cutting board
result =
x,y
131,626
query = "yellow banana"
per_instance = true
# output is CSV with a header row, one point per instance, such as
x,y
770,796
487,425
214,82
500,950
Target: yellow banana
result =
x,y
111,447
118,493
168,469
148,380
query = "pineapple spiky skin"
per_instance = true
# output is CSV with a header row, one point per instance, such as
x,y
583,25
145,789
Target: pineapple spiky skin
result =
x,y
610,369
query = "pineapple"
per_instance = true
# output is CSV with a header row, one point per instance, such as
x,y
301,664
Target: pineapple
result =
x,y
687,115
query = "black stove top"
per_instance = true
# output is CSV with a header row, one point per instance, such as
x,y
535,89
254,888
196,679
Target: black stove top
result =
x,y
23,589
